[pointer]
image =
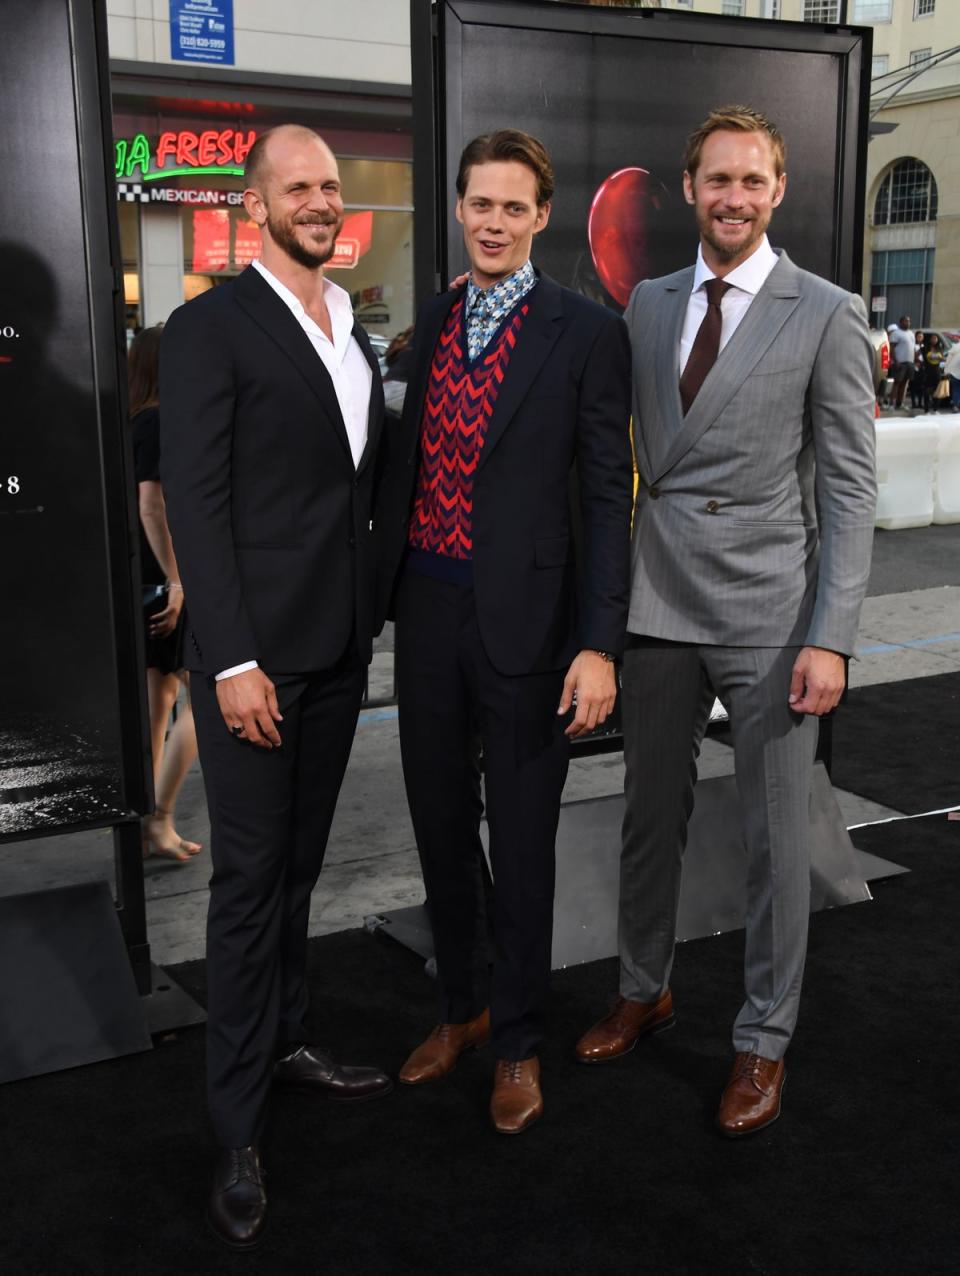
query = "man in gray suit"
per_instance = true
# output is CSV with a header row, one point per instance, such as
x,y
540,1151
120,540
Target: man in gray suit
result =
x,y
753,414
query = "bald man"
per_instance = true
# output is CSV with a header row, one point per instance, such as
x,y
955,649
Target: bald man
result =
x,y
271,412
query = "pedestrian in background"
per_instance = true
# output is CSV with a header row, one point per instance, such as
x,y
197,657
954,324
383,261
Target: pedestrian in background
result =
x,y
162,600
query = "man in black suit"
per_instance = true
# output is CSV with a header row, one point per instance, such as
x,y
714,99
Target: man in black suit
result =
x,y
500,630
271,412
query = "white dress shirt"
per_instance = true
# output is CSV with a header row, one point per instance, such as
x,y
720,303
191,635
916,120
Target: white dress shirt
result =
x,y
746,281
342,357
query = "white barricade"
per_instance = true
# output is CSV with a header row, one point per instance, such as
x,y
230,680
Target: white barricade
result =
x,y
906,459
946,481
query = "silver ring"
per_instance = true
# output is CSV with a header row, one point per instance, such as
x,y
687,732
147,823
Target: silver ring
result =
x,y
238,730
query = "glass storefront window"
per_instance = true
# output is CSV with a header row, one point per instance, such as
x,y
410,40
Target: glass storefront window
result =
x,y
129,219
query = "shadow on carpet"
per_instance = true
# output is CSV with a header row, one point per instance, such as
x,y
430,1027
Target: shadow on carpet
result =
x,y
105,1168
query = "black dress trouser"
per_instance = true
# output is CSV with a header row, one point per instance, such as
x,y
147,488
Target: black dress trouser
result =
x,y
454,705
270,815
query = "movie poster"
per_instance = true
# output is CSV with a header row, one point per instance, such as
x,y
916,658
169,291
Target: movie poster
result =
x,y
60,750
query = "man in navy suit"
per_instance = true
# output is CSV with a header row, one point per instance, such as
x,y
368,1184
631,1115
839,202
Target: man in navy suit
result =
x,y
505,619
271,413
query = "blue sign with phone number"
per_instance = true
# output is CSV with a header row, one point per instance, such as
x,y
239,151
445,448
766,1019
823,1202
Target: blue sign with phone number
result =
x,y
201,31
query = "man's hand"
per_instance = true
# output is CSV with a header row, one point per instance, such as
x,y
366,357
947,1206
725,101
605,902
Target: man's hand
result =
x,y
164,622
459,281
249,700
593,680
817,682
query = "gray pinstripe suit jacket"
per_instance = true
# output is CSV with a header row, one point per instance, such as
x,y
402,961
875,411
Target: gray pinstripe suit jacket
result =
x,y
755,512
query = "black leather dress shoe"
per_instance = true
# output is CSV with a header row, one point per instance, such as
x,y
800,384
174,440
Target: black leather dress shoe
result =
x,y
237,1210
312,1069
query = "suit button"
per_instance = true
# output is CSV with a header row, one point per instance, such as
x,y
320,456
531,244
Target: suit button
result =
x,y
350,540
654,493
712,507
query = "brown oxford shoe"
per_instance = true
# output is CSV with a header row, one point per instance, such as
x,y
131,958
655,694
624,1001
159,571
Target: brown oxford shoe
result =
x,y
516,1101
752,1097
435,1057
620,1030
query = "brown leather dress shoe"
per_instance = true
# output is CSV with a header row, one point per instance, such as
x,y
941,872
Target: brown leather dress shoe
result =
x,y
752,1097
436,1056
622,1028
516,1101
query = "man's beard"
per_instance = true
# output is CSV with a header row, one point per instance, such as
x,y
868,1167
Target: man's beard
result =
x,y
284,236
727,251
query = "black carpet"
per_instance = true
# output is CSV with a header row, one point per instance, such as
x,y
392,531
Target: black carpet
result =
x,y
899,743
104,1169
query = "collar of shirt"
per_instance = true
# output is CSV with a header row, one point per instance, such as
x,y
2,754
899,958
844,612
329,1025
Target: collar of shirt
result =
x,y
749,276
338,307
486,308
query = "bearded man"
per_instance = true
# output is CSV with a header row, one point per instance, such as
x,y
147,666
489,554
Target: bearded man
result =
x,y
271,413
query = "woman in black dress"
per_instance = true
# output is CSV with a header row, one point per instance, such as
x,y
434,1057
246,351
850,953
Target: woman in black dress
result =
x,y
173,754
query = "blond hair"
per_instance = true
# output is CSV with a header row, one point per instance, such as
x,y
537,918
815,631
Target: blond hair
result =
x,y
735,119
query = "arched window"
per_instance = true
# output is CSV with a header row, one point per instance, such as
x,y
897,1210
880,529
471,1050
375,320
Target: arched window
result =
x,y
908,193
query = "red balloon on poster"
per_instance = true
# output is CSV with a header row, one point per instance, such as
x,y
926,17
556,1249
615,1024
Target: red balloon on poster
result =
x,y
618,230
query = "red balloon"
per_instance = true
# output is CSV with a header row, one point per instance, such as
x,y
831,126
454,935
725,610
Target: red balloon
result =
x,y
617,230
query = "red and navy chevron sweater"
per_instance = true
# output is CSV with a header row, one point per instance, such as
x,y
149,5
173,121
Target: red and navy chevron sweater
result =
x,y
456,415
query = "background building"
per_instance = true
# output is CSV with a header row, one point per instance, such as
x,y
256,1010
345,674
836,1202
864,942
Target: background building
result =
x,y
185,117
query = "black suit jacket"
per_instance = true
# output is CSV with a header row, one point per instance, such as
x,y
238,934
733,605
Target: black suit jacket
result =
x,y
271,523
563,407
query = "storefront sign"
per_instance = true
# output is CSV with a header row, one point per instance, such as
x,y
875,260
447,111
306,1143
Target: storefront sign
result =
x,y
211,240
136,193
201,31
183,153
353,241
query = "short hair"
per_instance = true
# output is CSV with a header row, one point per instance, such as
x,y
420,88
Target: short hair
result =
x,y
735,119
509,144
903,321
256,162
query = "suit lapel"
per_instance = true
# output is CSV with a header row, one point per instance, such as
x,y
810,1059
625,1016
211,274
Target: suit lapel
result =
x,y
541,329
669,318
769,311
274,317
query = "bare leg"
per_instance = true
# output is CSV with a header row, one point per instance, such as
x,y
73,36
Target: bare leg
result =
x,y
171,761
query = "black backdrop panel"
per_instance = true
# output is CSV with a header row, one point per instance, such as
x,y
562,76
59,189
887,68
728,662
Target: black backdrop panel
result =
x,y
613,94
71,734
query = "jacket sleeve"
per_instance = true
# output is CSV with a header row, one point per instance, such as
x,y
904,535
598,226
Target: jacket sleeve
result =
x,y
605,484
197,406
841,404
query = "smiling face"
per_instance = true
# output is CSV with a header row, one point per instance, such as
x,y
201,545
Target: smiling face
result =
x,y
500,216
734,190
298,203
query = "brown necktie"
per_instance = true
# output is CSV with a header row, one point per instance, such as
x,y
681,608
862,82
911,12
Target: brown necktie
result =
x,y
706,345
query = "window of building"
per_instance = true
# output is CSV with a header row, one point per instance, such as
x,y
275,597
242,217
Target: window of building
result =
x,y
732,8
923,8
880,65
919,56
872,10
908,193
770,9
905,278
821,10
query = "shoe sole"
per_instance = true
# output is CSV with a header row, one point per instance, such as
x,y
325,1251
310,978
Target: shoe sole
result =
x,y
304,1087
477,1045
523,1128
238,1247
754,1129
653,1030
